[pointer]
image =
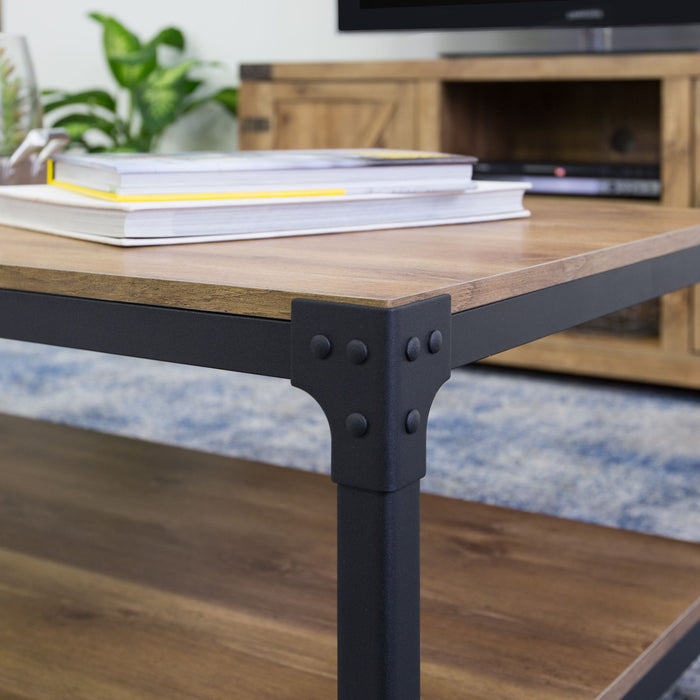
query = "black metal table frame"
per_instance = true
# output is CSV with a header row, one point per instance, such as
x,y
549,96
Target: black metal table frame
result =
x,y
374,371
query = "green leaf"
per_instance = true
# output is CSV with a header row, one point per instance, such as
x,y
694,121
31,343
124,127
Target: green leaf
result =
x,y
228,97
99,17
170,36
146,54
90,98
129,62
159,106
170,77
189,86
118,40
78,124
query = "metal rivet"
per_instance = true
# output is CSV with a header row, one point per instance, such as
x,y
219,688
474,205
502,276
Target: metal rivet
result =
x,y
357,352
435,342
320,347
413,421
356,424
413,349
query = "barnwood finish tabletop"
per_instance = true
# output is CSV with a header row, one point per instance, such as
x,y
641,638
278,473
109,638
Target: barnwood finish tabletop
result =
x,y
476,264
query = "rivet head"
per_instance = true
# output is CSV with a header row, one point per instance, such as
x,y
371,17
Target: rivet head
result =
x,y
357,352
413,349
320,347
356,424
413,421
435,342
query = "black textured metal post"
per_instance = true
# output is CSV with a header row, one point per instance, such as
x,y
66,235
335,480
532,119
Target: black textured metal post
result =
x,y
379,593
376,396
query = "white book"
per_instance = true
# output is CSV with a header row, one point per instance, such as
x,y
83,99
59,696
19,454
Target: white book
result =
x,y
53,210
205,175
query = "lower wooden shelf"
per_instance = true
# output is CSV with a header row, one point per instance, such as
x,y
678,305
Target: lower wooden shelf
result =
x,y
134,570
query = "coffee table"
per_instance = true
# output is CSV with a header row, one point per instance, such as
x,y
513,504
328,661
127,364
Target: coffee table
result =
x,y
369,324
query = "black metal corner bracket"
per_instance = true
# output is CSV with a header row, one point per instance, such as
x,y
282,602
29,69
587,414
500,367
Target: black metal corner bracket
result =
x,y
375,373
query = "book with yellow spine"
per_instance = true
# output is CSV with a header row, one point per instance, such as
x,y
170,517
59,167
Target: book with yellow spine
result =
x,y
148,177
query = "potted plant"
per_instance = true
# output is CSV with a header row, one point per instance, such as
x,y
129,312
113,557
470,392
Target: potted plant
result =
x,y
150,96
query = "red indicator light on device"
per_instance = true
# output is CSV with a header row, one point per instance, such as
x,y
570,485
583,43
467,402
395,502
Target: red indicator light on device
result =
x,y
560,172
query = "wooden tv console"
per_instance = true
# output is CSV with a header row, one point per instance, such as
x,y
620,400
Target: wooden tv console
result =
x,y
631,108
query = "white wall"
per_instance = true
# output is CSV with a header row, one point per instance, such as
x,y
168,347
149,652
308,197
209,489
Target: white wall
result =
x,y
65,44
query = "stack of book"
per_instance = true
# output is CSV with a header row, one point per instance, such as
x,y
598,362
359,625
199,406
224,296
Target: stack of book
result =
x,y
147,199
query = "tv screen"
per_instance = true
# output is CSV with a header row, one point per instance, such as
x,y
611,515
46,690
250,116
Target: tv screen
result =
x,y
494,14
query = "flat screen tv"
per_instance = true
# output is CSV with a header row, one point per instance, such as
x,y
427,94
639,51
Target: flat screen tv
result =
x,y
513,14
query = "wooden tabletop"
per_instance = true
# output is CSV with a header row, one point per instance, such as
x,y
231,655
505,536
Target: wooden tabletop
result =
x,y
565,239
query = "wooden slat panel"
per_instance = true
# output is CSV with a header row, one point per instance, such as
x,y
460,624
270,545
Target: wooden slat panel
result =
x,y
255,116
695,155
676,332
343,115
677,127
132,570
695,294
429,101
676,142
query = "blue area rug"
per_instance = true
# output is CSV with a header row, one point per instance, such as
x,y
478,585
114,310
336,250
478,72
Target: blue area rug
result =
x,y
621,455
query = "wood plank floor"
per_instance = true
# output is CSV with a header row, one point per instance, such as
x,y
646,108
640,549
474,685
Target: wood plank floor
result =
x,y
130,570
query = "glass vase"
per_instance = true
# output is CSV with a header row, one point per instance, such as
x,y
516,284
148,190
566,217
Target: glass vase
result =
x,y
20,109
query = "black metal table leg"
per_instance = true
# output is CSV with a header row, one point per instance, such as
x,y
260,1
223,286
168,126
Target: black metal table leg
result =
x,y
378,593
375,373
